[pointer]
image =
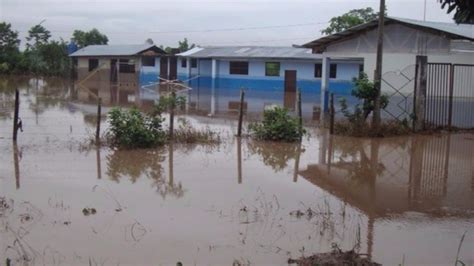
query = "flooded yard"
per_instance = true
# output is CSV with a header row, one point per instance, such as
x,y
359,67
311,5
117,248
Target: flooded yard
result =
x,y
403,200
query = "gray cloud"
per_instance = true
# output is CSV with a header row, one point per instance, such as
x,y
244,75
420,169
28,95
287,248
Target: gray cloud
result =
x,y
134,21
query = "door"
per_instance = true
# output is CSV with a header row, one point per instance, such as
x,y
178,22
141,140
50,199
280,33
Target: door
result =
x,y
163,68
289,98
113,70
173,68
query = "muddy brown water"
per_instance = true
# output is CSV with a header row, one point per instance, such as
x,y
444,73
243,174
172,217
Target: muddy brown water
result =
x,y
404,199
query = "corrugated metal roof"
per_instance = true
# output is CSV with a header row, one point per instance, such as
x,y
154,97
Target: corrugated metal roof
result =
x,y
112,50
454,31
463,30
250,52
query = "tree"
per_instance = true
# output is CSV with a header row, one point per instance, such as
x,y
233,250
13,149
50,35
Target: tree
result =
x,y
463,10
184,46
85,38
149,41
37,36
350,19
9,44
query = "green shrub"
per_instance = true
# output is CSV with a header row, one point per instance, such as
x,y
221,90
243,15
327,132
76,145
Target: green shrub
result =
x,y
133,129
277,125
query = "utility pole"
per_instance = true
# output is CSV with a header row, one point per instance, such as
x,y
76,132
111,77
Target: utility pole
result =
x,y
378,67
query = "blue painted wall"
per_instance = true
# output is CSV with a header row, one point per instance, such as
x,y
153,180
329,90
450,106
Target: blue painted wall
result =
x,y
256,78
148,74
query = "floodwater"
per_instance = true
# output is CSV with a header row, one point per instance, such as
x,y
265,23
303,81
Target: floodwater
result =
x,y
400,200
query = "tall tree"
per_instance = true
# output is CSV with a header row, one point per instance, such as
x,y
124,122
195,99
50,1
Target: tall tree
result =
x,y
37,35
463,10
184,45
350,19
85,38
9,51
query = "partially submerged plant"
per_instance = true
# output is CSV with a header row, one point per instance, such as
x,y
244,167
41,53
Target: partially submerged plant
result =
x,y
366,92
186,133
277,125
356,124
134,129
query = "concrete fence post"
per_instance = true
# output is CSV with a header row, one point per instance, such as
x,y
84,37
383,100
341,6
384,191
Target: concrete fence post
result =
x,y
420,93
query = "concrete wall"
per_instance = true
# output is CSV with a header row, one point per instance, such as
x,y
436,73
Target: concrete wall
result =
x,y
401,46
256,77
144,74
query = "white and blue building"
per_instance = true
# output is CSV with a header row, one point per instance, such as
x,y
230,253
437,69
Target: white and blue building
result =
x,y
263,68
269,75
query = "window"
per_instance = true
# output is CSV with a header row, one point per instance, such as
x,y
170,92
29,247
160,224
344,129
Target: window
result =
x,y
318,70
148,61
184,62
272,69
93,64
238,68
127,66
194,63
333,71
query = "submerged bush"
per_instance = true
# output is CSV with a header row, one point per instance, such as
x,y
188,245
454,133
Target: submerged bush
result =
x,y
134,129
277,125
186,133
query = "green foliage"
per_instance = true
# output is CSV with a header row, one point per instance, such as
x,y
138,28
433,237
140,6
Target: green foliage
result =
x,y
463,10
9,52
85,38
366,92
133,129
277,125
37,35
350,19
184,46
170,101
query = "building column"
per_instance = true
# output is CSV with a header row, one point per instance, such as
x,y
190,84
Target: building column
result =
x,y
213,86
325,87
188,67
169,68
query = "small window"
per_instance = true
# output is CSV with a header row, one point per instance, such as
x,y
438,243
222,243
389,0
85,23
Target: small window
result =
x,y
184,62
194,63
318,70
239,68
148,61
333,71
272,69
93,64
127,66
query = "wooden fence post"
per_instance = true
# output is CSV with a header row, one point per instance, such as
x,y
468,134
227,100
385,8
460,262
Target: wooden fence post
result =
x,y
420,93
300,115
241,113
99,114
15,116
172,106
332,114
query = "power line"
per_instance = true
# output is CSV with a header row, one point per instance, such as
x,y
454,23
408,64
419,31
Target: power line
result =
x,y
204,30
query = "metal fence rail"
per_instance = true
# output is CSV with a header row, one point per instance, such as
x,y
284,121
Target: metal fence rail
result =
x,y
449,96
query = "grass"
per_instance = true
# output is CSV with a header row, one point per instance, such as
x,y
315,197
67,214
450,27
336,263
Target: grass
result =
x,y
388,128
187,134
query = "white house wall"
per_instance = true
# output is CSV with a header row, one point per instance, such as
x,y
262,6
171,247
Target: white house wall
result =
x,y
401,46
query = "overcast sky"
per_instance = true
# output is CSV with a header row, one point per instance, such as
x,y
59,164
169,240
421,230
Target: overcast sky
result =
x,y
207,22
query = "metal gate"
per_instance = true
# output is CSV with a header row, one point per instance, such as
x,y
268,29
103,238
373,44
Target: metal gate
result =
x,y
449,96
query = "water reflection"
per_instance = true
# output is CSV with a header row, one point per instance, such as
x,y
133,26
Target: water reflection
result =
x,y
16,161
396,175
276,154
203,98
136,164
